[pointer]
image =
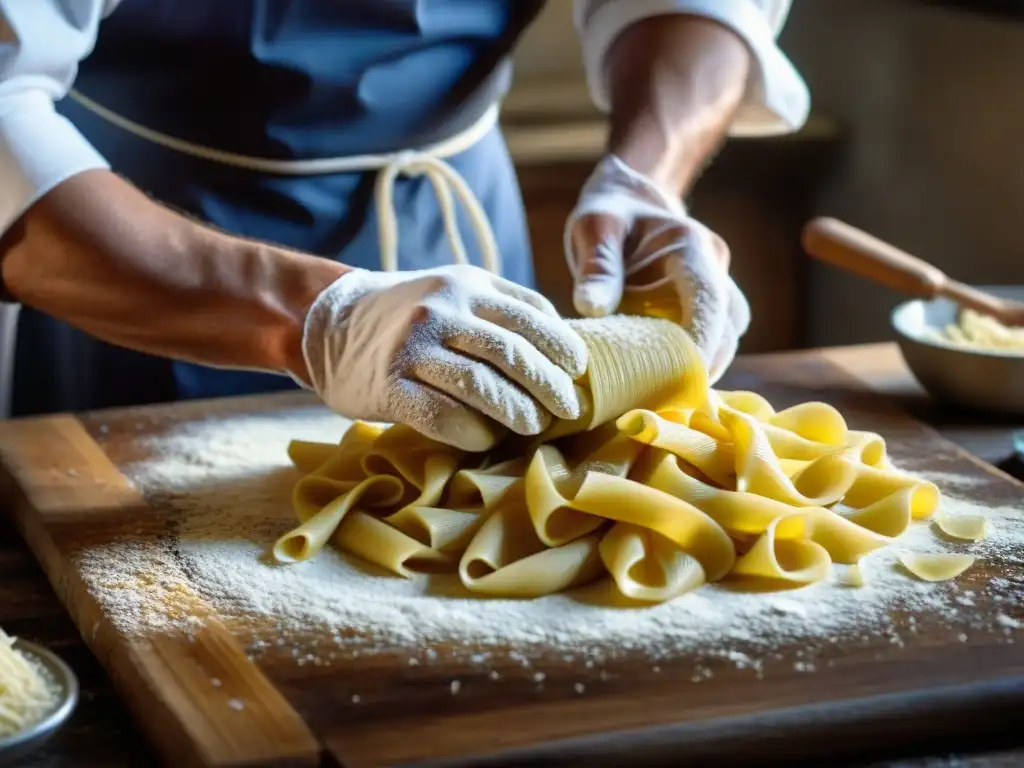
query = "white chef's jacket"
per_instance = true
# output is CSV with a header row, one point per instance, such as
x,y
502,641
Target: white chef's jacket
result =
x,y
42,41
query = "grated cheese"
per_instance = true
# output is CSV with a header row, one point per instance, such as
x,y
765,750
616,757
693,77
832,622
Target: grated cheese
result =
x,y
28,693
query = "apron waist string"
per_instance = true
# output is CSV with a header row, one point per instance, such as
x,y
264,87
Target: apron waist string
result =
x,y
428,161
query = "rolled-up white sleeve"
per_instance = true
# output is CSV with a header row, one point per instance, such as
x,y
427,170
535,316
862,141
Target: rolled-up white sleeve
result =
x,y
41,44
777,100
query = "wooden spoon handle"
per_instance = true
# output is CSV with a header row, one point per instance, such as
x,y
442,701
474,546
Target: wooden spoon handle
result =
x,y
986,303
849,248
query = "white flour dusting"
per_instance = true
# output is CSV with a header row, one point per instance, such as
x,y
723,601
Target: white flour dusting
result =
x,y
225,486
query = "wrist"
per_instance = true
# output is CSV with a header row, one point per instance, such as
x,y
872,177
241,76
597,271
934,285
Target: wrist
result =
x,y
295,282
671,158
102,256
675,84
328,317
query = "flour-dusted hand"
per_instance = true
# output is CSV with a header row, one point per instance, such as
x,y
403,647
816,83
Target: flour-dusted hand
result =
x,y
626,234
453,352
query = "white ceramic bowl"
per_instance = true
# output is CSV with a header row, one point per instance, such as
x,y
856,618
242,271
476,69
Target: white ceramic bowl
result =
x,y
20,744
977,378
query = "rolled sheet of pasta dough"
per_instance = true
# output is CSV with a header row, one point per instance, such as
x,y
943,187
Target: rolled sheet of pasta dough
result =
x,y
634,362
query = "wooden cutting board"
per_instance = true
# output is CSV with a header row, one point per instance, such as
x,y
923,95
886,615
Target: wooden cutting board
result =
x,y
63,485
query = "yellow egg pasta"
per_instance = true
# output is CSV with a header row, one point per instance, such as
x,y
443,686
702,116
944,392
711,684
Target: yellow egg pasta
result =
x,y
968,527
662,485
936,566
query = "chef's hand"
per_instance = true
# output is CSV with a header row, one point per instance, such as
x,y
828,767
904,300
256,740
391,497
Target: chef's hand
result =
x,y
626,234
453,352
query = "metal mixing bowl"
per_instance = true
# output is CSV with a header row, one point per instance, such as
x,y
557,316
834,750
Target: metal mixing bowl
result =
x,y
23,742
977,378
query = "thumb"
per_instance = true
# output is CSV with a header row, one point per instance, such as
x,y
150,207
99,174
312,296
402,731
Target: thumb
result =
x,y
596,244
720,251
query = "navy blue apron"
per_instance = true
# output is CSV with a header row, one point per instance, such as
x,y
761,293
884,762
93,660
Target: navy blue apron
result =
x,y
283,79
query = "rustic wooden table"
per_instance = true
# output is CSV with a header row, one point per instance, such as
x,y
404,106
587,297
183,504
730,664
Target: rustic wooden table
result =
x,y
102,733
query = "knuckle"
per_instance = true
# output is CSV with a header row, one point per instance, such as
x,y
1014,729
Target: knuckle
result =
x,y
449,279
426,317
604,259
591,230
421,315
501,352
446,283
463,270
462,274
672,234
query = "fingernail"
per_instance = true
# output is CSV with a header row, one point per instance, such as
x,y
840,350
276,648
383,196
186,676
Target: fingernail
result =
x,y
572,407
593,300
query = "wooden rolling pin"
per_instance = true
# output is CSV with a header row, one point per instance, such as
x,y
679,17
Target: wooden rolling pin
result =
x,y
846,247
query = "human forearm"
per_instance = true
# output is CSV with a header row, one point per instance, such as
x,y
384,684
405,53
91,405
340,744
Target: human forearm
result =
x,y
102,256
675,83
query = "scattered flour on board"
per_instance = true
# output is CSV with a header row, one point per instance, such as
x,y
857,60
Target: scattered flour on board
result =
x,y
226,485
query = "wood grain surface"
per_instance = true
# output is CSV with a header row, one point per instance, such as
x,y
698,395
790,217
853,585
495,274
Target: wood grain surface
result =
x,y
866,698
67,495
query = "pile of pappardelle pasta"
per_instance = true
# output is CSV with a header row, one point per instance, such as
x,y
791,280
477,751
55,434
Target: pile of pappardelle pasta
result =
x,y
663,484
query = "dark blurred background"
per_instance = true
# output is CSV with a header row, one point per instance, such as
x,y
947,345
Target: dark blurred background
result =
x,y
916,136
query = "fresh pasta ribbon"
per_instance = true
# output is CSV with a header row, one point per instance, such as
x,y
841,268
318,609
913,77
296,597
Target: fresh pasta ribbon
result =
x,y
507,558
936,566
968,527
662,485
